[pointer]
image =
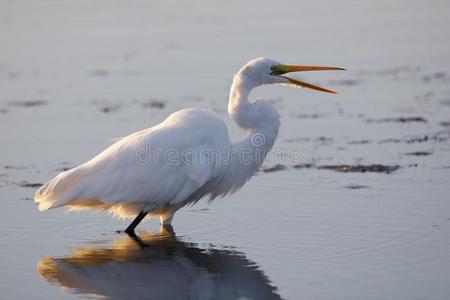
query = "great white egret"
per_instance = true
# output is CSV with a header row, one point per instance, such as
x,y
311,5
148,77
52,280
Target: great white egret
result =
x,y
158,170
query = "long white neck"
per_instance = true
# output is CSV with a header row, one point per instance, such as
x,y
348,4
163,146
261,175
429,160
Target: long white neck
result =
x,y
260,120
259,117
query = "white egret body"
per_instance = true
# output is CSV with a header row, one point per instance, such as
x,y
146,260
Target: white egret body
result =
x,y
179,161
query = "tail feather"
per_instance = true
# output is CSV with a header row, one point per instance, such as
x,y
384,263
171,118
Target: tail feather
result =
x,y
62,189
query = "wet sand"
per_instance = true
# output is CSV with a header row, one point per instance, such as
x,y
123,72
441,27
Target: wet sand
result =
x,y
352,203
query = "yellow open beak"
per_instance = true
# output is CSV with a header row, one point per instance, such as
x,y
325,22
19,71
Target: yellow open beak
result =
x,y
283,69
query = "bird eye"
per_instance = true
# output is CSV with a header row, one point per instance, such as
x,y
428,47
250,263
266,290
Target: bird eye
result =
x,y
274,71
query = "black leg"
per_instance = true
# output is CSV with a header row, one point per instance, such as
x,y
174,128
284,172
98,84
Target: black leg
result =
x,y
140,216
169,229
137,239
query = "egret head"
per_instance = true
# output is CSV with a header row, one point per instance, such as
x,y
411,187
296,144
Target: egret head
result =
x,y
262,71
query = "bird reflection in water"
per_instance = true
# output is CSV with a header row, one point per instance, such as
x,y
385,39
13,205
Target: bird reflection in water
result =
x,y
158,266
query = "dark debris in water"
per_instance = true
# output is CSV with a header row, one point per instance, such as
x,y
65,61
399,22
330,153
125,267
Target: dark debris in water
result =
x,y
107,106
28,103
359,142
10,167
64,166
320,139
154,104
419,153
375,168
29,184
108,109
275,168
398,120
445,124
303,166
63,169
352,186
323,139
441,136
440,75
344,168
308,116
406,140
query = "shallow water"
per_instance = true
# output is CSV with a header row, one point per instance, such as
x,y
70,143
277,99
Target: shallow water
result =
x,y
75,75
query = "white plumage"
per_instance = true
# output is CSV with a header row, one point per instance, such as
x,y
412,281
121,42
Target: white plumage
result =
x,y
177,162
